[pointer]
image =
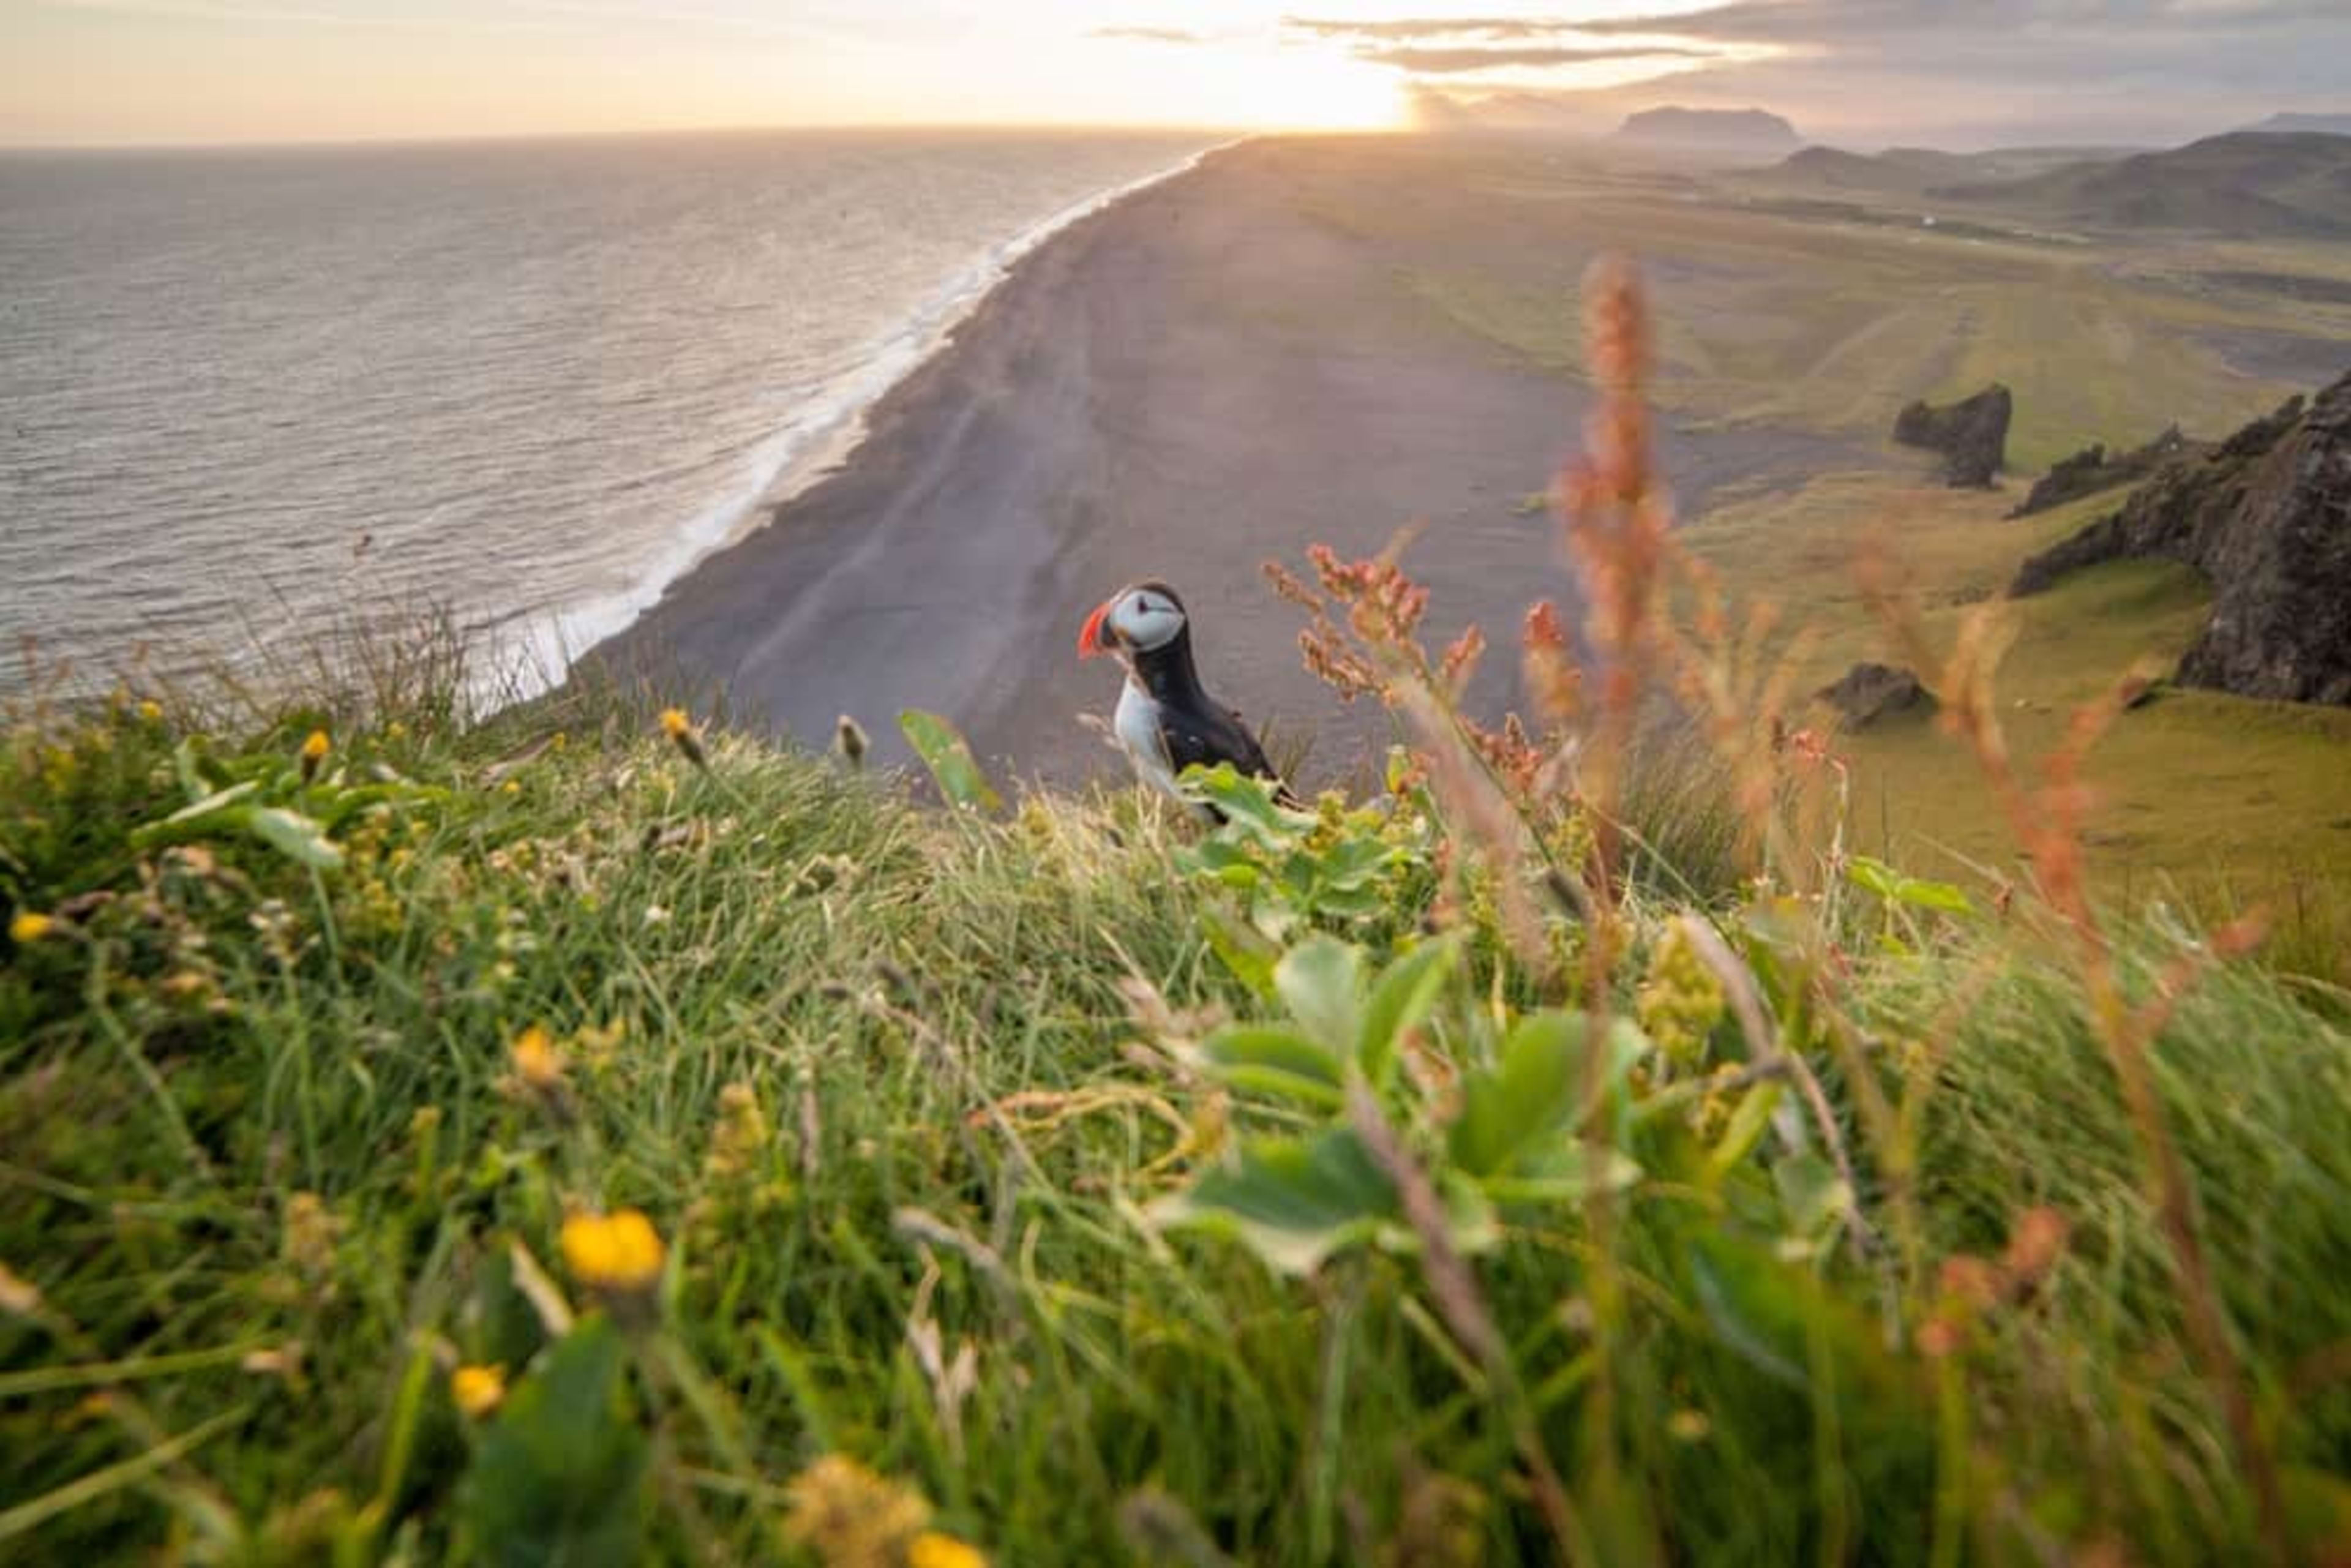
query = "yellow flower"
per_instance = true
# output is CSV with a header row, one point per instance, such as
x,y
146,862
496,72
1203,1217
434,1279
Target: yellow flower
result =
x,y
932,1550
680,729
18,1297
536,1062
30,927
478,1390
618,1253
151,710
314,751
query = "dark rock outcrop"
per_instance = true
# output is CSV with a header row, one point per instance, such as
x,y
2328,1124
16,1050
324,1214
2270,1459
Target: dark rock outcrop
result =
x,y
1868,693
1972,434
2267,516
2090,470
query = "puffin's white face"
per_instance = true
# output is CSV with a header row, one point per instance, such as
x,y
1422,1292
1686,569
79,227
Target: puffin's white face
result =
x,y
1145,619
1136,620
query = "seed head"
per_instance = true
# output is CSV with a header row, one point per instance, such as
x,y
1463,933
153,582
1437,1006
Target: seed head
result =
x,y
849,739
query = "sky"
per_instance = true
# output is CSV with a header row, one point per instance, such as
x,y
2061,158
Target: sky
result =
x,y
1957,73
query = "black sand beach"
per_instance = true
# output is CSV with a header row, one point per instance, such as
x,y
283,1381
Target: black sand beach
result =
x,y
1212,373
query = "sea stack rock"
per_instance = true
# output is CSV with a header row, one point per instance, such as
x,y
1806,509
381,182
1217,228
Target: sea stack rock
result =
x,y
1870,694
2267,516
1972,434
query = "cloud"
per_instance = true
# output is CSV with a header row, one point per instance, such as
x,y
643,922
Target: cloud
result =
x,y
1433,28
1150,34
2008,70
1430,62
1828,23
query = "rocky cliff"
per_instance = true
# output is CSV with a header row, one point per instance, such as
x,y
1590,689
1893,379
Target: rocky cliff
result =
x,y
2094,468
2267,516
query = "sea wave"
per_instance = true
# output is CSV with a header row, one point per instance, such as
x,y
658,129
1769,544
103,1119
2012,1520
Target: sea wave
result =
x,y
534,652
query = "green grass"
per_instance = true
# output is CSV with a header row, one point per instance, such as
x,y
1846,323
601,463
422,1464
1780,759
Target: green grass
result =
x,y
2222,801
872,1071
1826,324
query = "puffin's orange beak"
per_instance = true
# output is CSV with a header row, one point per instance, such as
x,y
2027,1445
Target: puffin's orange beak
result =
x,y
1090,641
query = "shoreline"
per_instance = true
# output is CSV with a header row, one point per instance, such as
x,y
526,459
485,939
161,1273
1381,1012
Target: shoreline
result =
x,y
798,457
1183,383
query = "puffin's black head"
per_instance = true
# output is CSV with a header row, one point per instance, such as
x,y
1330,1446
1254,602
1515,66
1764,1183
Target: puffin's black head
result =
x,y
1140,618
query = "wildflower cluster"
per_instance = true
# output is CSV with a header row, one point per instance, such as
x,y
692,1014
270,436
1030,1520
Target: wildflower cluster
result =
x,y
851,1517
1681,1000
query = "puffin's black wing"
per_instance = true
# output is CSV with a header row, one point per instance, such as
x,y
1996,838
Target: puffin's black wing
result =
x,y
1213,734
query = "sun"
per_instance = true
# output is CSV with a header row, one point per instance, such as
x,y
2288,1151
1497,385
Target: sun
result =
x,y
1259,84
1321,90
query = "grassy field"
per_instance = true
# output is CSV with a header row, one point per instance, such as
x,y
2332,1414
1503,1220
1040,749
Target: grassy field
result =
x,y
1829,318
2199,790
1826,318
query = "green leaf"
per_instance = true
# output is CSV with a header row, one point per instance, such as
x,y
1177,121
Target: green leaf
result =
x,y
1271,1059
1752,1306
1355,863
1400,999
199,774
1872,875
295,836
1812,1195
559,1476
1936,896
1293,1201
220,811
1748,1118
1243,948
1876,876
1321,980
1249,809
948,756
1558,1173
1509,1110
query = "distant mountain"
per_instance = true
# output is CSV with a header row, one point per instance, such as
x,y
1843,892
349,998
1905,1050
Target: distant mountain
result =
x,y
2246,182
1834,169
1911,172
1741,131
2316,124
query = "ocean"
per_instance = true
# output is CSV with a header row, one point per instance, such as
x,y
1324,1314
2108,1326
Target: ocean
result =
x,y
247,394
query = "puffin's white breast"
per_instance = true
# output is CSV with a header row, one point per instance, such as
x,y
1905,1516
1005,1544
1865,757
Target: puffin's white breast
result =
x,y
1137,726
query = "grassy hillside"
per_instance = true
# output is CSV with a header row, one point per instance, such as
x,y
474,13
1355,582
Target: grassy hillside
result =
x,y
2203,795
1828,317
428,1141
2242,183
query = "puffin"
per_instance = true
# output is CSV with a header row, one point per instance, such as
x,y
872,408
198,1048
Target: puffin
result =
x,y
1166,721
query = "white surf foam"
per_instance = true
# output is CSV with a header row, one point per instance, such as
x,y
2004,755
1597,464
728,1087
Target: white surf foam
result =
x,y
536,651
